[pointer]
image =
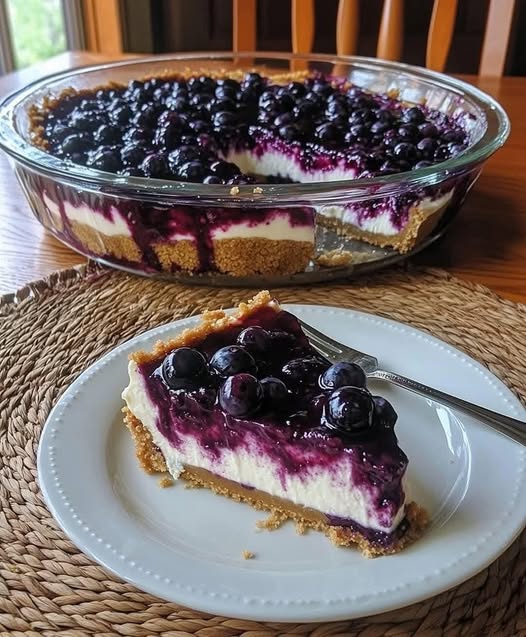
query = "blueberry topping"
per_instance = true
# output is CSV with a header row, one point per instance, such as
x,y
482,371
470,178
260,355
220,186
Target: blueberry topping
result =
x,y
255,339
200,119
105,159
342,374
300,373
233,359
240,395
384,413
350,410
155,166
275,392
184,367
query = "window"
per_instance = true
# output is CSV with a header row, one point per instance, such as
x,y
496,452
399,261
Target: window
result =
x,y
34,30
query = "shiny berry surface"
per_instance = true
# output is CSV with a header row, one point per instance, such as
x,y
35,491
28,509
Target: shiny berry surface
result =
x,y
183,366
186,128
341,374
350,410
240,395
232,359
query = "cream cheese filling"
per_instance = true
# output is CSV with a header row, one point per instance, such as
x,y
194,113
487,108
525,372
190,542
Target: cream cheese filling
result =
x,y
333,492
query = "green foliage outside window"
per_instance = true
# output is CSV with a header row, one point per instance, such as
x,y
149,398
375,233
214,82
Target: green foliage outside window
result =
x,y
37,30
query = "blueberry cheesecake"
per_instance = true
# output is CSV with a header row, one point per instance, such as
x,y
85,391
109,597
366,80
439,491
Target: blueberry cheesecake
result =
x,y
241,131
242,404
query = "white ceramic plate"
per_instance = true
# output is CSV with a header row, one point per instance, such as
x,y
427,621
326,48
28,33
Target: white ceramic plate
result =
x,y
185,545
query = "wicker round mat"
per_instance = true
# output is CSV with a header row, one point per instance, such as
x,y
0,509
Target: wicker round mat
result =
x,y
52,330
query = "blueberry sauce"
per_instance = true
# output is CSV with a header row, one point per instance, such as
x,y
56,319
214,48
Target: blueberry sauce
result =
x,y
184,128
292,430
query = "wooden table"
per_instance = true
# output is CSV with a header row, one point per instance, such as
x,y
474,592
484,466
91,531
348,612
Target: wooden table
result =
x,y
486,244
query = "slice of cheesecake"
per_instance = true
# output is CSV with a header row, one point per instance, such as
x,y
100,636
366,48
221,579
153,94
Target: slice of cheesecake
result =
x,y
243,405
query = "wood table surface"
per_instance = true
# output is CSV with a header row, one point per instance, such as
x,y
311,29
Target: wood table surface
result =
x,y
486,243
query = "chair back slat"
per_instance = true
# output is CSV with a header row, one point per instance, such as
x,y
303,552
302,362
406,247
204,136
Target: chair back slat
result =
x,y
391,33
302,19
440,33
496,37
347,27
390,37
244,25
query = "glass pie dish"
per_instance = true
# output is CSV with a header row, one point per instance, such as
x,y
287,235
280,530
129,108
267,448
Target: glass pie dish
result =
x,y
305,220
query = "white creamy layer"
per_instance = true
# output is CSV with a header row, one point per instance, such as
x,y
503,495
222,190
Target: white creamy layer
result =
x,y
381,224
276,229
85,215
275,163
329,492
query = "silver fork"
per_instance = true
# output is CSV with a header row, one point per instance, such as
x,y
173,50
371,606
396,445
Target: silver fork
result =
x,y
336,352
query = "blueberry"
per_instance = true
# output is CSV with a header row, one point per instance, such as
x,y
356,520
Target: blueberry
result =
x,y
76,143
290,133
168,136
427,146
275,393
86,122
133,154
121,114
255,339
442,153
105,159
253,79
200,99
268,101
212,179
321,87
422,164
240,395
146,117
328,134
138,135
183,154
231,360
306,108
107,134
155,166
302,373
297,89
360,131
404,150
283,120
384,414
414,115
349,409
379,127
200,126
452,135
428,130
182,366
408,132
342,374
223,169
225,118
58,132
193,170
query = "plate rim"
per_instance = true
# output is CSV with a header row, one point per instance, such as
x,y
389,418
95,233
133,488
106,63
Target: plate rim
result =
x,y
263,611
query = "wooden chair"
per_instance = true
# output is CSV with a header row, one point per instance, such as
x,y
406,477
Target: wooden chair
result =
x,y
390,38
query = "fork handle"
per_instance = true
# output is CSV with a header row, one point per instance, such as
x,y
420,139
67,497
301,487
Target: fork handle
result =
x,y
510,427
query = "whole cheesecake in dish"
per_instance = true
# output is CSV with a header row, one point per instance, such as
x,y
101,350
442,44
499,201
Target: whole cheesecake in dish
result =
x,y
243,405
243,131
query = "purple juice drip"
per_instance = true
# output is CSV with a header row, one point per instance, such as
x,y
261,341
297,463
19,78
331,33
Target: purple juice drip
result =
x,y
299,448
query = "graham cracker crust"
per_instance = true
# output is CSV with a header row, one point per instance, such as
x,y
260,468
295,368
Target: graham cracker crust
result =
x,y
211,321
419,226
151,460
242,257
181,254
119,246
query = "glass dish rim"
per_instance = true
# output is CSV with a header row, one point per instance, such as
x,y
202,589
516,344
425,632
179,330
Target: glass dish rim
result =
x,y
258,195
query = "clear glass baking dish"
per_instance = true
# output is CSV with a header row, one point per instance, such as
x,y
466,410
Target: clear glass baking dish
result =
x,y
142,224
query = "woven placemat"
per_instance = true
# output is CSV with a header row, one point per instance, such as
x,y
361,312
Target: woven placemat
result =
x,y
52,330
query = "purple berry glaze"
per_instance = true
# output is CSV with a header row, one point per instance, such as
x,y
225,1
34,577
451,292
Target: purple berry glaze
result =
x,y
294,438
